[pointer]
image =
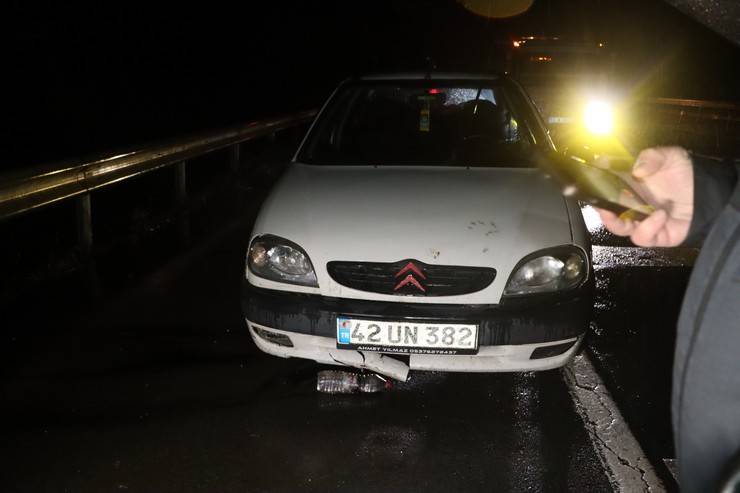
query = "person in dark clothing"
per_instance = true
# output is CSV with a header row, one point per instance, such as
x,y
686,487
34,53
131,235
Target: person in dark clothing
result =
x,y
698,200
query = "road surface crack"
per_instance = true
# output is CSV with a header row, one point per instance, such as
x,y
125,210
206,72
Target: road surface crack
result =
x,y
608,431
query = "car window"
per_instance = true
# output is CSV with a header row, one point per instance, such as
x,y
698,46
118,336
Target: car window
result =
x,y
422,124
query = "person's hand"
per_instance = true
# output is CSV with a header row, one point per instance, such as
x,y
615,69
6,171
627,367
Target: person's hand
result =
x,y
666,179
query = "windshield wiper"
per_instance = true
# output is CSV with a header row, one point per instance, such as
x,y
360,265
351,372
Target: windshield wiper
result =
x,y
477,98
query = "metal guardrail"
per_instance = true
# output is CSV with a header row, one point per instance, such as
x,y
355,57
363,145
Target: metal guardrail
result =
x,y
21,192
708,127
721,111
696,103
34,188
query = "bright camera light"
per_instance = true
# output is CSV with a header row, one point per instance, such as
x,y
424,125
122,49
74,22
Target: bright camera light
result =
x,y
599,118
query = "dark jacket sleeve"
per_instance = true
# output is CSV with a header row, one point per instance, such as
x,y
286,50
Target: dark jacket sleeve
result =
x,y
714,182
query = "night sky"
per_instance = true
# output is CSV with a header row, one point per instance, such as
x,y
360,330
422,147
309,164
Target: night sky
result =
x,y
88,78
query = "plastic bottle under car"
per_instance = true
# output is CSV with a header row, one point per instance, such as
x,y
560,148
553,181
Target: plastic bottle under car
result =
x,y
344,382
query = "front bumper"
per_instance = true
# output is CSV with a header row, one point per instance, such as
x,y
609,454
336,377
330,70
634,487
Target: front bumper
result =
x,y
509,332
489,359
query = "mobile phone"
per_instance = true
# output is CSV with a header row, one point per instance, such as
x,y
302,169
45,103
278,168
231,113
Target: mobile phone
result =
x,y
612,189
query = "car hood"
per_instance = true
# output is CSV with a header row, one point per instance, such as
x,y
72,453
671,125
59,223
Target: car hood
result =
x,y
488,217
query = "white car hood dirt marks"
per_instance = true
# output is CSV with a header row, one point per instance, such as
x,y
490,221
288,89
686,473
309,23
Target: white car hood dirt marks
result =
x,y
489,217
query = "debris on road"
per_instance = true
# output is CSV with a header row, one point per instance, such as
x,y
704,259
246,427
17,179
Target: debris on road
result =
x,y
345,382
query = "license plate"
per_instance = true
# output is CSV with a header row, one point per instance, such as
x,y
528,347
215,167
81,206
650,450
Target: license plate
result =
x,y
406,336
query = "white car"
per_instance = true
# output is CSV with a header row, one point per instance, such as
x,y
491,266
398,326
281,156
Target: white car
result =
x,y
411,231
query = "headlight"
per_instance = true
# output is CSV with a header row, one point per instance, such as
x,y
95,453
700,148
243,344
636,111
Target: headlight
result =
x,y
598,118
280,260
554,269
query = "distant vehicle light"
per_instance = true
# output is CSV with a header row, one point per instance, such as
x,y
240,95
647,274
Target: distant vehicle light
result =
x,y
598,118
517,44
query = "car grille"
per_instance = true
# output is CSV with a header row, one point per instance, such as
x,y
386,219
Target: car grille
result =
x,y
411,278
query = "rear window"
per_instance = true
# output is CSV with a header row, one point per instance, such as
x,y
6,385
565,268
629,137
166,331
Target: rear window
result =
x,y
426,123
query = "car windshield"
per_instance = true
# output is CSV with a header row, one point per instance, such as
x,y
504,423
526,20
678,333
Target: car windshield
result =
x,y
422,123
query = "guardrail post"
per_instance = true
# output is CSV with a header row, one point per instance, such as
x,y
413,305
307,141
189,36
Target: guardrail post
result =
x,y
84,224
181,197
181,182
235,158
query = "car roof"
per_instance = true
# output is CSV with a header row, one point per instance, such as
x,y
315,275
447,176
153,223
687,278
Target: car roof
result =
x,y
430,76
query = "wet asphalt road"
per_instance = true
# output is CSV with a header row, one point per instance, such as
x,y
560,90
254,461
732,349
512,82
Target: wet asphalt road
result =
x,y
162,390
157,387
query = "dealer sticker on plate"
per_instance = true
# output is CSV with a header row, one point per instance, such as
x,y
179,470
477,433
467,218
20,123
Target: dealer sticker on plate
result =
x,y
406,336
